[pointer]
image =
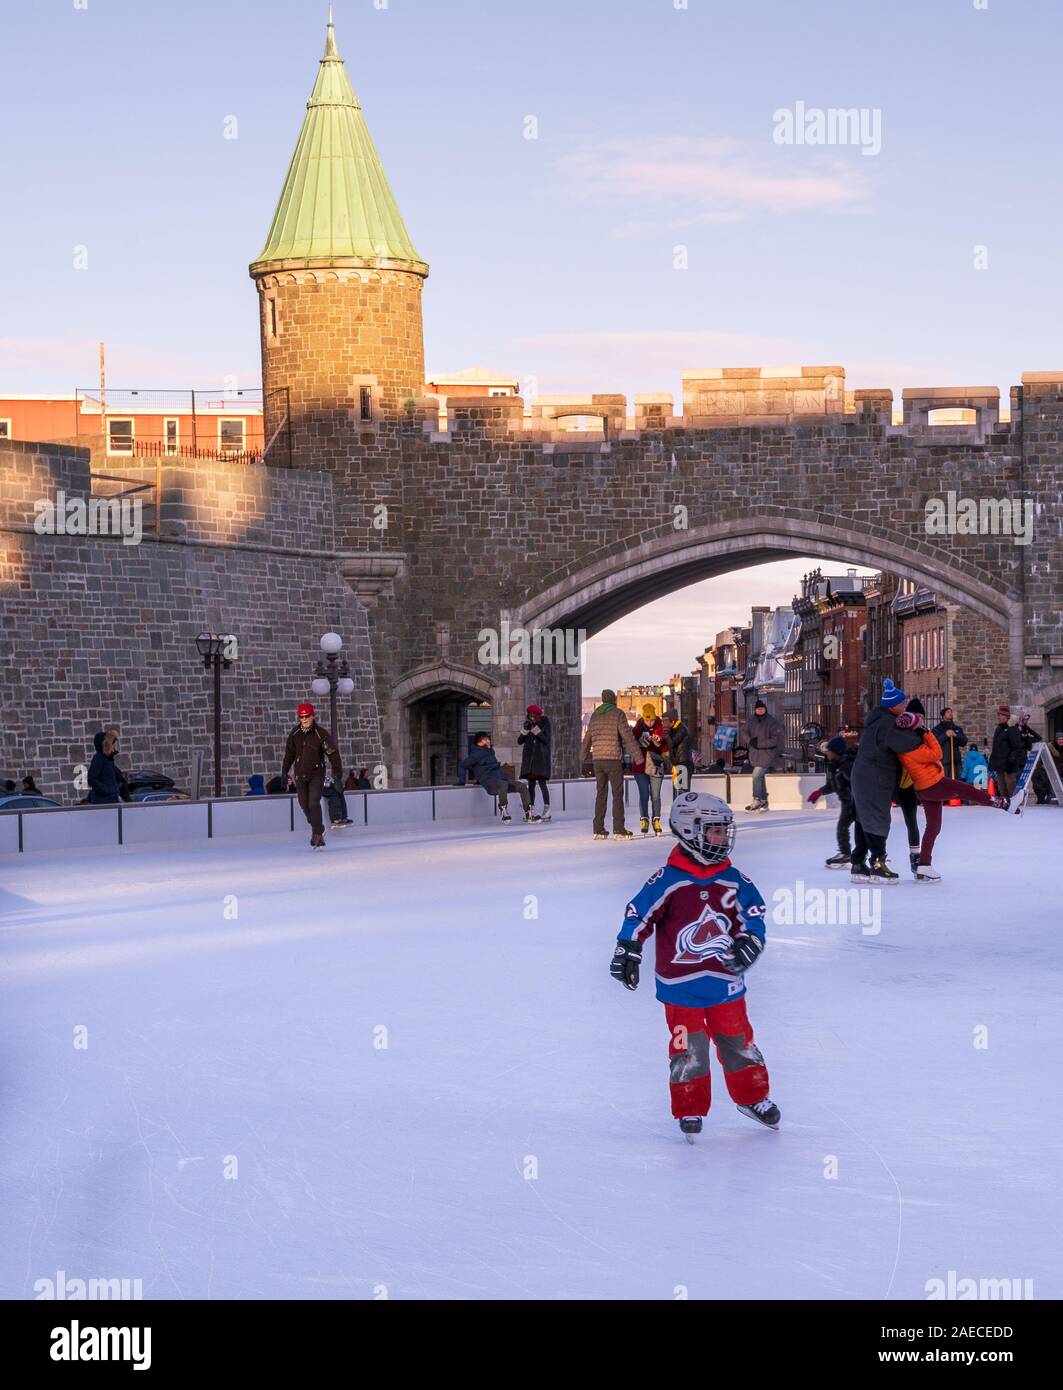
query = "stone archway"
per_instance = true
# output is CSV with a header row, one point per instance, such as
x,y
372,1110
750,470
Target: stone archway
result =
x,y
646,569
1051,711
428,706
613,585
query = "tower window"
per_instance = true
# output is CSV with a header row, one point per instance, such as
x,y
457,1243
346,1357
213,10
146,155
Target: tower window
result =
x,y
366,402
272,317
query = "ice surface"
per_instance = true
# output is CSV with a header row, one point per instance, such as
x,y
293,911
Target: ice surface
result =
x,y
409,1171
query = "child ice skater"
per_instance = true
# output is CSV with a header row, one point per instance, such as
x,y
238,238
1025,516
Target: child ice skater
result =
x,y
840,754
933,789
709,920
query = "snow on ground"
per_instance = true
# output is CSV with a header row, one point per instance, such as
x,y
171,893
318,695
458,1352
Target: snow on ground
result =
x,y
513,1139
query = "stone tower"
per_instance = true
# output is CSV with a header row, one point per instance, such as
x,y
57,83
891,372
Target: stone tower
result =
x,y
339,284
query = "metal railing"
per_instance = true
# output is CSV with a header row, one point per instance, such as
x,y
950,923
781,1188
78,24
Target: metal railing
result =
x,y
154,448
174,423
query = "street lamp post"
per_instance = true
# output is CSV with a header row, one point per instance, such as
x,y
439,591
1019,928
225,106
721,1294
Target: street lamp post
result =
x,y
332,677
218,651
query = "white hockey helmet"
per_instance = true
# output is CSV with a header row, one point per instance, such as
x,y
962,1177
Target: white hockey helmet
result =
x,y
703,825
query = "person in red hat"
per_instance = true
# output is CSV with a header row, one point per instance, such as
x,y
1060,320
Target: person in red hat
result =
x,y
308,748
535,756
1007,753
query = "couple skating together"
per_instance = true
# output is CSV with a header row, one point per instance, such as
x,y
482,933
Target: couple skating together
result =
x,y
896,748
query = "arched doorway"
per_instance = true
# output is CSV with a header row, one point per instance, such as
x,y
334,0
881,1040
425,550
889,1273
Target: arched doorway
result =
x,y
442,710
1053,712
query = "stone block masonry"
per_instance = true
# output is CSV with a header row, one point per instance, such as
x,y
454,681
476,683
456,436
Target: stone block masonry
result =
x,y
499,517
326,335
94,632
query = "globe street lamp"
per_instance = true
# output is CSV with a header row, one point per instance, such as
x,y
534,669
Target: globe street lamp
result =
x,y
218,650
332,677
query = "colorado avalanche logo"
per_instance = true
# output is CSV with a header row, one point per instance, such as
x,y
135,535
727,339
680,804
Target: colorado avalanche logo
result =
x,y
709,936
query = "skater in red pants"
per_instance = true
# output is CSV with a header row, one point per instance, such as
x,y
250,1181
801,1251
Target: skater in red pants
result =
x,y
709,921
933,789
744,1072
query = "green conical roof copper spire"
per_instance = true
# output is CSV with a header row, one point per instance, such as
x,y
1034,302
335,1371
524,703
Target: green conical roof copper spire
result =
x,y
337,205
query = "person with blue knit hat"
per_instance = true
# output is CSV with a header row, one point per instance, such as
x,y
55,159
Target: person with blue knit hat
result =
x,y
893,695
875,775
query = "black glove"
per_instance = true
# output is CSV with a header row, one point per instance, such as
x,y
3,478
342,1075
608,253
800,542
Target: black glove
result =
x,y
744,952
625,963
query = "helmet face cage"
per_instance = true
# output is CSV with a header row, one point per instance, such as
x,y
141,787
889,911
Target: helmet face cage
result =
x,y
696,815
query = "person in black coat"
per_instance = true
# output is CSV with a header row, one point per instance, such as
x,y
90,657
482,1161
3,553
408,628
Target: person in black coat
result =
x,y
680,761
1030,737
874,782
482,766
535,756
906,798
840,754
107,784
952,739
1007,753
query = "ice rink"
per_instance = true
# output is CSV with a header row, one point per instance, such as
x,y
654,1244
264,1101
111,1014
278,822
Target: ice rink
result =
x,y
377,1072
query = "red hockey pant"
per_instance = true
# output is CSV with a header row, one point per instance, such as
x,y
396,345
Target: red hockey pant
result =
x,y
688,1056
931,799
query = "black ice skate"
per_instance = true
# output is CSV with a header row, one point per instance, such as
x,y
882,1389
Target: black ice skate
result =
x,y
860,873
507,819
623,835
530,818
913,859
765,1112
690,1125
317,842
839,861
882,873
600,835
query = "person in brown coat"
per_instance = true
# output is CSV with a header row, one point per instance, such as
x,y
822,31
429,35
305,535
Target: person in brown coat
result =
x,y
308,747
607,738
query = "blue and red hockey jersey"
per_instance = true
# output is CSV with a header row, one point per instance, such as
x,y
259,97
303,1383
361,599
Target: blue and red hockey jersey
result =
x,y
696,912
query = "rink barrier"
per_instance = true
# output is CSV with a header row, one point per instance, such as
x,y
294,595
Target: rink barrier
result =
x,y
166,822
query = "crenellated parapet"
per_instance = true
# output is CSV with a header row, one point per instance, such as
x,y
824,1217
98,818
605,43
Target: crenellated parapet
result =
x,y
728,398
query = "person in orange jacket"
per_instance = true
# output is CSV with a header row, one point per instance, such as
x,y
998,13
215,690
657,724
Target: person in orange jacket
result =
x,y
932,789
